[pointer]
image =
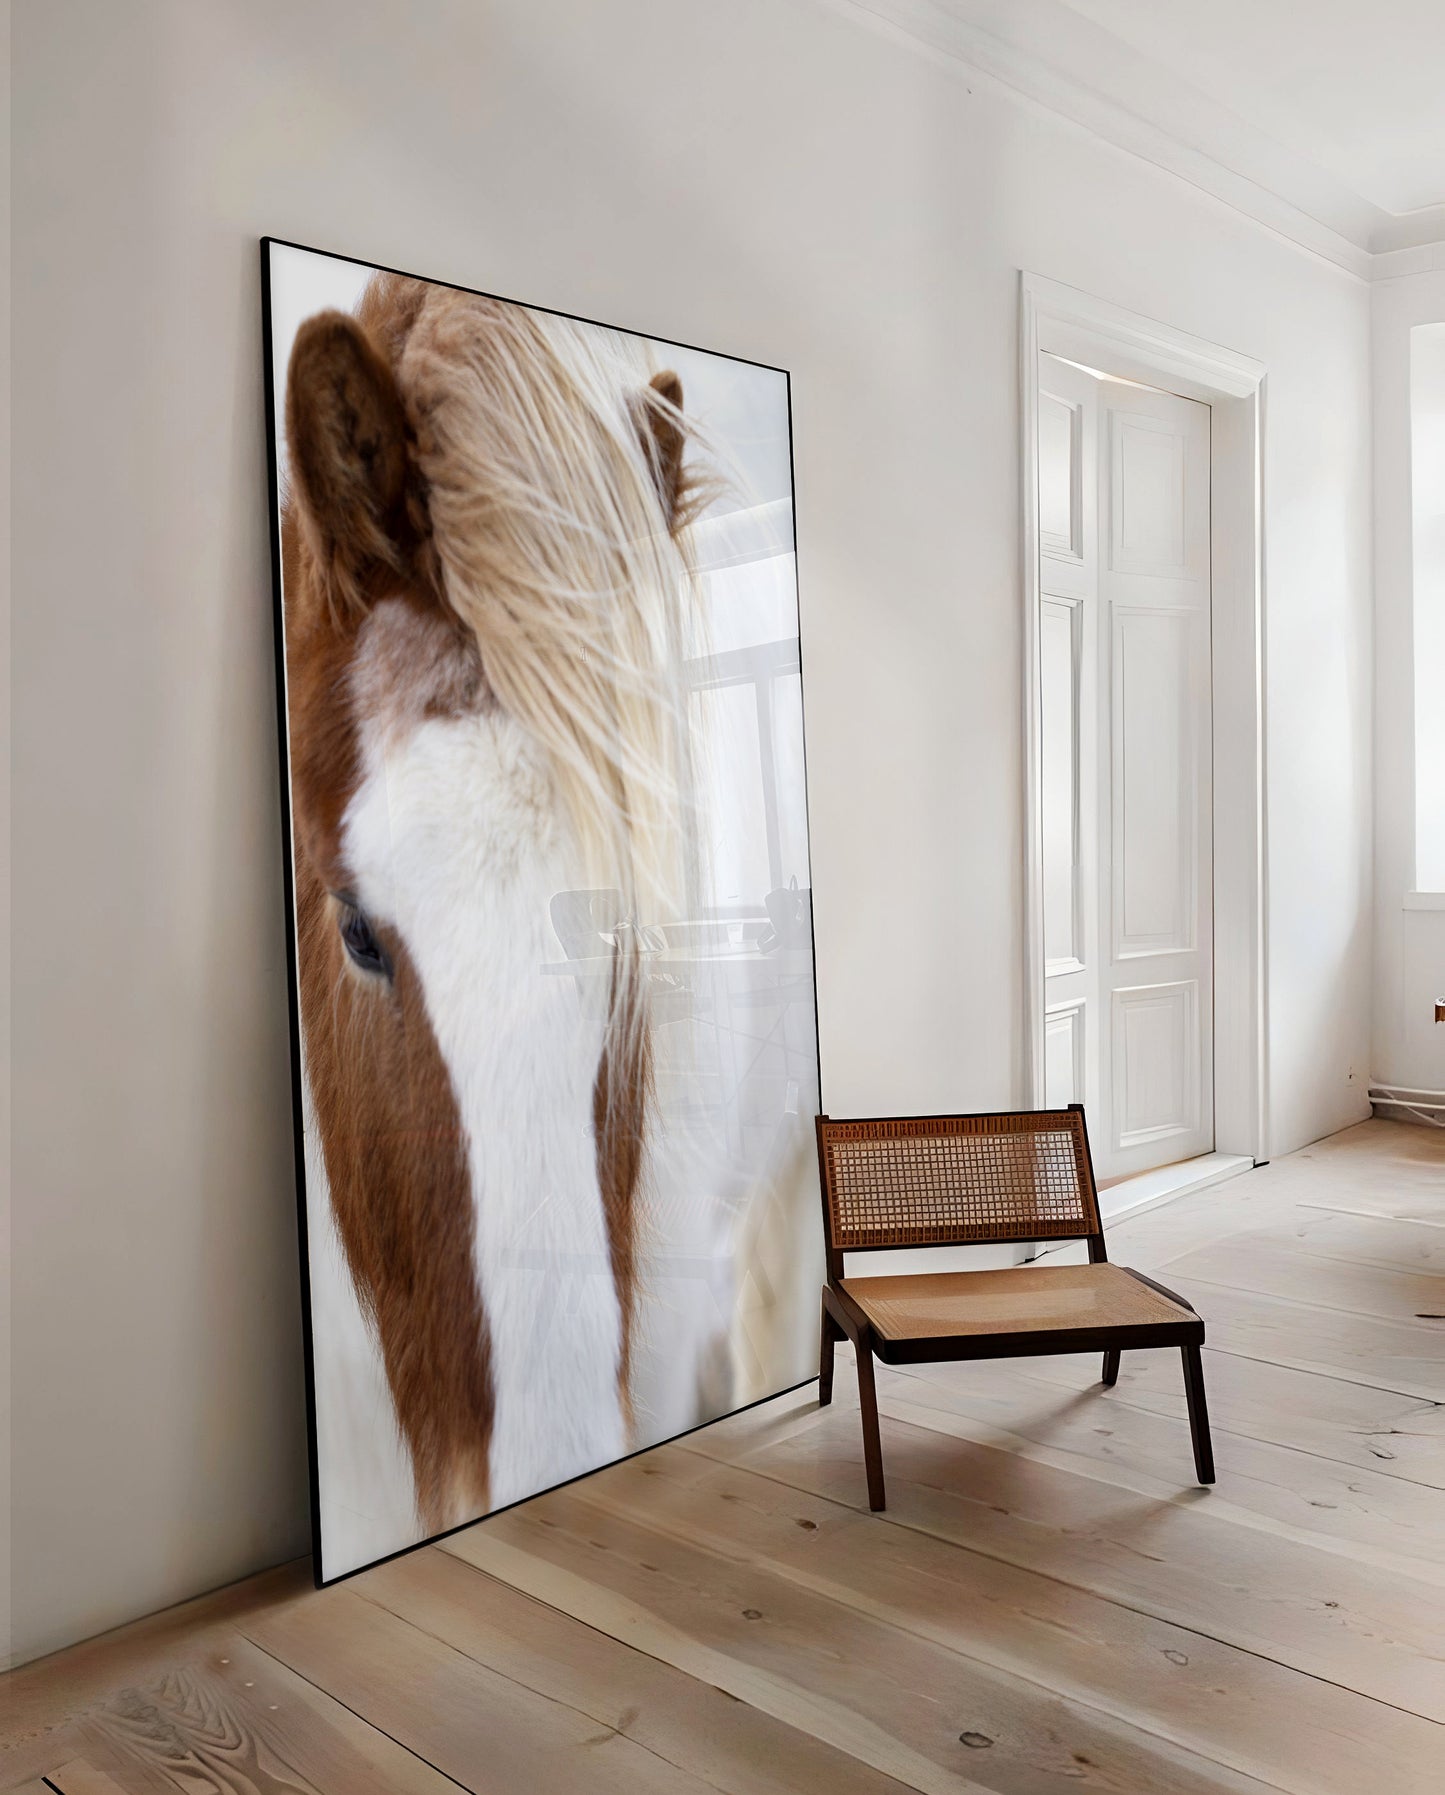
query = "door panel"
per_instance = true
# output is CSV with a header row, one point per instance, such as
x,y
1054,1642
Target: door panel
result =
x,y
1125,822
1157,876
1148,523
1154,781
1059,645
1065,1074
1155,1074
1061,481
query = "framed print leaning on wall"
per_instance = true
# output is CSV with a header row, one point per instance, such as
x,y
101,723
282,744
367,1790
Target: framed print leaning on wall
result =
x,y
554,1031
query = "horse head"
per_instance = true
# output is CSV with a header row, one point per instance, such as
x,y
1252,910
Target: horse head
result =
x,y
485,590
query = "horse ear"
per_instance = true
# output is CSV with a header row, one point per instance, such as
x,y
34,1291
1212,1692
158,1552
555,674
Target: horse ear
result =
x,y
663,440
346,429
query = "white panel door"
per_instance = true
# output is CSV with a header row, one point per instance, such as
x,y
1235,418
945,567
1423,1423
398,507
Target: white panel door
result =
x,y
1156,1099
1125,819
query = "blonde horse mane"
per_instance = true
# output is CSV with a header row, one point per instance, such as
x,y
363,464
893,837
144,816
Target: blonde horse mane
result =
x,y
535,438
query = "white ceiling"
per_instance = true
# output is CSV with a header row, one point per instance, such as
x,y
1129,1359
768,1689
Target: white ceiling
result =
x,y
1356,86
1322,119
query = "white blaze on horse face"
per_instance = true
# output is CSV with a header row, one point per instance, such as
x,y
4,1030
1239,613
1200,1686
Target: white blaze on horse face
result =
x,y
453,839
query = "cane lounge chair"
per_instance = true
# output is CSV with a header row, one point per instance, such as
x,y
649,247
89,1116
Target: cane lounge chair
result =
x,y
913,1181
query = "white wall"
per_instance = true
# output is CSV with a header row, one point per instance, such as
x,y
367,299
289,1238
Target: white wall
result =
x,y
774,178
5,1255
1409,1047
1427,574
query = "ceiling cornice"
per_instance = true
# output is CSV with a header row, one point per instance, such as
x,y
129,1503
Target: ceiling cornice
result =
x,y
1088,75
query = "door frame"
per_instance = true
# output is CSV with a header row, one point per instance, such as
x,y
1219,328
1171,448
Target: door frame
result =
x,y
1059,320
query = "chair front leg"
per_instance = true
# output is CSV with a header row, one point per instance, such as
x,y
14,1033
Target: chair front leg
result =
x,y
832,1334
1111,1367
868,1410
1198,1414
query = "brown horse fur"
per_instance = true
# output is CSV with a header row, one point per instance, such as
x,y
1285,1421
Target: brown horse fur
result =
x,y
356,528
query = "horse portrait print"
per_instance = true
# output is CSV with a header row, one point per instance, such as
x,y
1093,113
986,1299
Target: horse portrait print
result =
x,y
554,1027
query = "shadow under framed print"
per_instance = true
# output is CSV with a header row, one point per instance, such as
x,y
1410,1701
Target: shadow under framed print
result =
x,y
554,1028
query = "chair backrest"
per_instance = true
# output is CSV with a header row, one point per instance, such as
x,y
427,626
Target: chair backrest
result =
x,y
902,1181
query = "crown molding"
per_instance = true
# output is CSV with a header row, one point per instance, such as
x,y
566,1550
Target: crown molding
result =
x,y
1400,264
1089,76
1424,229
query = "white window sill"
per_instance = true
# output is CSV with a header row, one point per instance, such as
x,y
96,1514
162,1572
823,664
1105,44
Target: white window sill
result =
x,y
1424,900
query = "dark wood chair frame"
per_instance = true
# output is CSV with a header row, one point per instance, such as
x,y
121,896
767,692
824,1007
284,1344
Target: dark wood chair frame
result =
x,y
844,1319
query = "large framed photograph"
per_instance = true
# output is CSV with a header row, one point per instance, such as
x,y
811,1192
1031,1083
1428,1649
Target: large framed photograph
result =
x,y
554,1027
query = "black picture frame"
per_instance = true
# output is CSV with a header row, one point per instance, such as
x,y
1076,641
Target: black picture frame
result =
x,y
274,498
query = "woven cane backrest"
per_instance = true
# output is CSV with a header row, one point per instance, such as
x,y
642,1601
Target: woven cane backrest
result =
x,y
956,1180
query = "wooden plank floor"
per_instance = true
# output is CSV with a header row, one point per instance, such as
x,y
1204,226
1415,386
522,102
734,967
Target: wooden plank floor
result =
x,y
1048,1604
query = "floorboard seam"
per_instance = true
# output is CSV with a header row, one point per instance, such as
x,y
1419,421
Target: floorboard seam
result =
x,y
1075,1698
1211,1504
1416,1323
366,1721
571,1707
1361,1383
1217,1427
1372,1215
779,1679
1100,1595
1381,1469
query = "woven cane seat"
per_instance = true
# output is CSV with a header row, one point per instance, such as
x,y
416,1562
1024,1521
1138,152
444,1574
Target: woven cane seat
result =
x,y
1018,1299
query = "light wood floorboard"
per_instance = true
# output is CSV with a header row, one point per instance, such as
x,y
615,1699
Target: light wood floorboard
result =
x,y
1049,1602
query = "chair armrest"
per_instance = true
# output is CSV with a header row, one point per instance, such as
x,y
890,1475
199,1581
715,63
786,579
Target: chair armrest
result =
x,y
1173,1296
845,1312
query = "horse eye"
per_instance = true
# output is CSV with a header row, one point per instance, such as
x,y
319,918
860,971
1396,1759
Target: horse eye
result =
x,y
357,937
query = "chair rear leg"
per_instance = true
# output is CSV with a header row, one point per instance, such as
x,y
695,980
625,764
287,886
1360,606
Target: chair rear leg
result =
x,y
1111,1367
1198,1414
832,1333
868,1406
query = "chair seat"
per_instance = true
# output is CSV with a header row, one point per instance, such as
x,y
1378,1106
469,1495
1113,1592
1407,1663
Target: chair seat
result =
x,y
1017,1299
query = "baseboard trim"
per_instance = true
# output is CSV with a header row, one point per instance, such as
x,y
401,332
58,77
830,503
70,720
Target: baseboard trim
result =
x,y
1163,1185
1132,1196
